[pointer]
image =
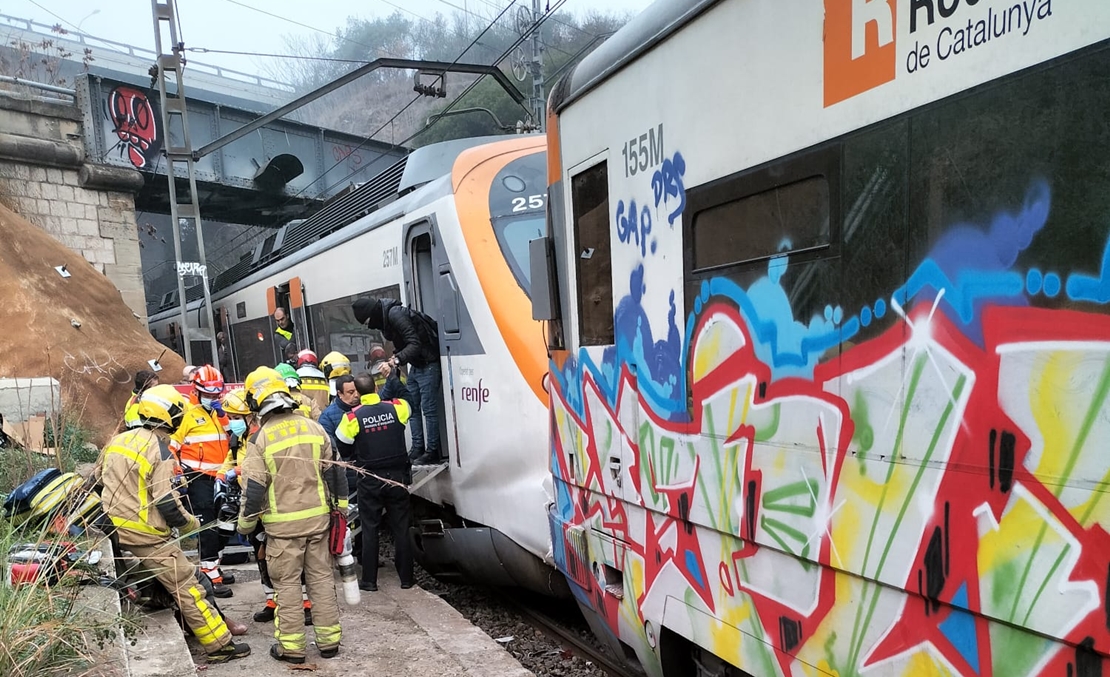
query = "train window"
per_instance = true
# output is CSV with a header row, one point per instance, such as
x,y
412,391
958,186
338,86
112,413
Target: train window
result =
x,y
787,218
253,341
336,329
513,236
593,257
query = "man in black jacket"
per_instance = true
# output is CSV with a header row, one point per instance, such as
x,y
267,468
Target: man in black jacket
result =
x,y
417,344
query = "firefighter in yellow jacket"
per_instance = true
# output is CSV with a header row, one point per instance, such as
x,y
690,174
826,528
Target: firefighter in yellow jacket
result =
x,y
292,485
137,472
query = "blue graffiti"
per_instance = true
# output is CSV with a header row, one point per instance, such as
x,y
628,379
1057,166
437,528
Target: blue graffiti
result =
x,y
972,267
629,228
667,183
1095,289
959,629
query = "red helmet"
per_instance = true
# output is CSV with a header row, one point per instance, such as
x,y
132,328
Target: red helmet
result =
x,y
307,357
208,380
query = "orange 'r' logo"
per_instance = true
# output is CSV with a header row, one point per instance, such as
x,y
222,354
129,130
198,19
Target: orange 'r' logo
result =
x,y
859,47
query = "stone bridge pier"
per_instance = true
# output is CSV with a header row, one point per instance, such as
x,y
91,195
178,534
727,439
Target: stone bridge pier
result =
x,y
46,177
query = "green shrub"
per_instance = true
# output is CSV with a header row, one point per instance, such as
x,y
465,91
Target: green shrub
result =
x,y
44,630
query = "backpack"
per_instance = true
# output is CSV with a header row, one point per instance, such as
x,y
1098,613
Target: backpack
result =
x,y
430,327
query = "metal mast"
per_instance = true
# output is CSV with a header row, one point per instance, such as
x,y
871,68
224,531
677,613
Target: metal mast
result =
x,y
539,101
179,158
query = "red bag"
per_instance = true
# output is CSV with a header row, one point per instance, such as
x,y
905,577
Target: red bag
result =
x,y
337,533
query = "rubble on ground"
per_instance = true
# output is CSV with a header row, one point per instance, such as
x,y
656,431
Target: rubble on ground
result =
x,y
76,329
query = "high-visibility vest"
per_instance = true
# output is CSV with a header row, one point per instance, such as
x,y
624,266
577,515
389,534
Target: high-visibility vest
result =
x,y
201,443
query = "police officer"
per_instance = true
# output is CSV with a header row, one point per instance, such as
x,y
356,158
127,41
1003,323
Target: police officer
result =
x,y
292,485
376,429
137,471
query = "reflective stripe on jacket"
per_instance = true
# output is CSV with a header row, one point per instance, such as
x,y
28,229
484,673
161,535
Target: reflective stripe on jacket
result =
x,y
315,387
292,478
138,472
201,441
131,412
307,405
376,428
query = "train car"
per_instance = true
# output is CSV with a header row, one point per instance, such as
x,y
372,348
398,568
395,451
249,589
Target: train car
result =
x,y
445,231
827,297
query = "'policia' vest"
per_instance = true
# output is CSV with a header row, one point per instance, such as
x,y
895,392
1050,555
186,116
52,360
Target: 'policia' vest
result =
x,y
376,428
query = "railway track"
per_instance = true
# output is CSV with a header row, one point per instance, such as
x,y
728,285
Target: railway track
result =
x,y
560,633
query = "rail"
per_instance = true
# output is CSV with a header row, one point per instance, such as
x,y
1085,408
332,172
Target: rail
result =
x,y
568,638
92,41
31,84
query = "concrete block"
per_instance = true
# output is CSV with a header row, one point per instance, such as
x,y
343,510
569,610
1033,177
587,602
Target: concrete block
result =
x,y
69,178
120,232
22,398
37,174
48,190
59,208
102,199
32,189
92,212
55,176
75,210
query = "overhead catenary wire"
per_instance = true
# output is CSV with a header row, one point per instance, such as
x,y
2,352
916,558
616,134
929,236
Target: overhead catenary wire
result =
x,y
369,137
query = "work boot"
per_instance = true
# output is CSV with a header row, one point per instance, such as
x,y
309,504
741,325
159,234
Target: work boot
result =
x,y
367,586
277,655
230,652
330,652
222,591
264,616
416,453
228,579
235,627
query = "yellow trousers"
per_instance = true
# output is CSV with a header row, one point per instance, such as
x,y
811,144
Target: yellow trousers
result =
x,y
286,558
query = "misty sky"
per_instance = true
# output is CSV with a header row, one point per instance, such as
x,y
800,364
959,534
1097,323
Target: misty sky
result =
x,y
233,25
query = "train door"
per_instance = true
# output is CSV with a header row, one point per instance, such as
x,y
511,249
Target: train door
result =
x,y
290,297
225,345
421,281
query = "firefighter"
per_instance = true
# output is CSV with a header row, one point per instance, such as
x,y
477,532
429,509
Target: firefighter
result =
x,y
334,365
292,485
136,472
313,382
243,424
201,444
305,404
143,379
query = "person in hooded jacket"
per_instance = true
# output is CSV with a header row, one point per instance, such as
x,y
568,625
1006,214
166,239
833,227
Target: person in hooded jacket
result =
x,y
416,342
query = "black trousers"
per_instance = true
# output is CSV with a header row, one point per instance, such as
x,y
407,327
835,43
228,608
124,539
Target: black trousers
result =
x,y
202,503
374,496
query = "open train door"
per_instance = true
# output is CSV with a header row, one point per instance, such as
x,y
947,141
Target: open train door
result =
x,y
290,297
225,347
421,277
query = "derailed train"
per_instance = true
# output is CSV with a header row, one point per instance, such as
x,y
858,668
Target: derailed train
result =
x,y
446,231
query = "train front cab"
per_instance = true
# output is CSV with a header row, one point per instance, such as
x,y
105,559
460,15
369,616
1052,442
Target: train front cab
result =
x,y
472,278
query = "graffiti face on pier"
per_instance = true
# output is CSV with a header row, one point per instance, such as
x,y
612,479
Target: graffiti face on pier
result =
x,y
135,122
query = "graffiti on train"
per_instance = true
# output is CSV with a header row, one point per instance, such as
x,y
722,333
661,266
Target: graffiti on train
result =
x,y
928,500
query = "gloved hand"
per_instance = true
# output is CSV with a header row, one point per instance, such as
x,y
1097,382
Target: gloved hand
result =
x,y
218,407
220,487
193,526
231,475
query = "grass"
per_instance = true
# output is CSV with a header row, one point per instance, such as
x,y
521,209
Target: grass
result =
x,y
50,628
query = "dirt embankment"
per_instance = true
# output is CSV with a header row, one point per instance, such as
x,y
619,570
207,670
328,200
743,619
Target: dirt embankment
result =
x,y
95,363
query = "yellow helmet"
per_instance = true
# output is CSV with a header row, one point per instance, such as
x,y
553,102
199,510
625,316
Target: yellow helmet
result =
x,y
162,407
261,384
335,364
235,402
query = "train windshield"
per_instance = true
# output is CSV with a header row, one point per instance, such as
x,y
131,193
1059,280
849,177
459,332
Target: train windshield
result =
x,y
513,236
518,201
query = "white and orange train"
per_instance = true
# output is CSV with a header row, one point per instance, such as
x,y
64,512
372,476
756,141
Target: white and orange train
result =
x,y
446,230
